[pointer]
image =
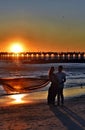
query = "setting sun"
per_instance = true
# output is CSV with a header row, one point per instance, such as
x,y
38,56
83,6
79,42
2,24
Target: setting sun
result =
x,y
16,47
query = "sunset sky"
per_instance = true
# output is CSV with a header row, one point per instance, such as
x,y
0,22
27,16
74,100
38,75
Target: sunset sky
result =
x,y
43,25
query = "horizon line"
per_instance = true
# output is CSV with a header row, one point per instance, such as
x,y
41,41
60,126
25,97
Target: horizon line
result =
x,y
43,52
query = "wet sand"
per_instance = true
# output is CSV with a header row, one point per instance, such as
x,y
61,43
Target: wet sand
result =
x,y
34,114
38,96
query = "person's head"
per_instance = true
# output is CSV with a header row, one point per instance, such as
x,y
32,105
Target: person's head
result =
x,y
60,68
51,70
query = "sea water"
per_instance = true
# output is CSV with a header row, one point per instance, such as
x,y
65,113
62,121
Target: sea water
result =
x,y
74,86
75,72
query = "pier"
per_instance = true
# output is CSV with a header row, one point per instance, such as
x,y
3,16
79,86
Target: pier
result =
x,y
44,57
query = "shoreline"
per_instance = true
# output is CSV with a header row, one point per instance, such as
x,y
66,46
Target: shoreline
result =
x,y
42,94
38,97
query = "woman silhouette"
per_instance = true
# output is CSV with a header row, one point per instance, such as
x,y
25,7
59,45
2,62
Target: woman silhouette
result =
x,y
53,87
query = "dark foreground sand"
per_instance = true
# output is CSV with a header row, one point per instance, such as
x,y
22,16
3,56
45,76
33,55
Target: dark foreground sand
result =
x,y
40,116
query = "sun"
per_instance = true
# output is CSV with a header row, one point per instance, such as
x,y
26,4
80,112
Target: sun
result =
x,y
16,47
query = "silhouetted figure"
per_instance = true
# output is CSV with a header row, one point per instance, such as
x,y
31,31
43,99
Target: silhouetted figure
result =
x,y
53,87
61,79
81,85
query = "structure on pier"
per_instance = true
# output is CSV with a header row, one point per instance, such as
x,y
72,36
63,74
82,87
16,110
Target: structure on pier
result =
x,y
42,57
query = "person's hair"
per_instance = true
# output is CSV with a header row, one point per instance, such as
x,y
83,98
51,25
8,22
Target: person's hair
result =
x,y
60,68
51,70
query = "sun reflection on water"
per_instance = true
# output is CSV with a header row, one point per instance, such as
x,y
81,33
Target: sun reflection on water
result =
x,y
18,98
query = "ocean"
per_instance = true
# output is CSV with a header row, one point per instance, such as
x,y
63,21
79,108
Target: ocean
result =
x,y
75,72
74,86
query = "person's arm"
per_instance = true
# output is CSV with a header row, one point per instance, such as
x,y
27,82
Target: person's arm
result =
x,y
64,80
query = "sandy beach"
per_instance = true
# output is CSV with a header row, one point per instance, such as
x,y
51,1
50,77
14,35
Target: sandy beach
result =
x,y
40,116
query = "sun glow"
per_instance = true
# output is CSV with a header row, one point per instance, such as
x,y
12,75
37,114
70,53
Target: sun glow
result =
x,y
16,47
18,98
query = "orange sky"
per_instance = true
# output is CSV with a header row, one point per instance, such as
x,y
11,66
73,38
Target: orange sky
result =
x,y
42,26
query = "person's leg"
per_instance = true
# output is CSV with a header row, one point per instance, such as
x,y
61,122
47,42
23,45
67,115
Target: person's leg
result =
x,y
58,97
49,96
54,94
62,96
52,98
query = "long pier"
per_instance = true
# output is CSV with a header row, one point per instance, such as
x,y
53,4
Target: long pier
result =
x,y
42,57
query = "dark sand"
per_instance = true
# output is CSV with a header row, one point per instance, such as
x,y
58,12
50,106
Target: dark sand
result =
x,y
40,116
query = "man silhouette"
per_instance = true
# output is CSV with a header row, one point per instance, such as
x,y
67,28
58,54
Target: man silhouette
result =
x,y
61,79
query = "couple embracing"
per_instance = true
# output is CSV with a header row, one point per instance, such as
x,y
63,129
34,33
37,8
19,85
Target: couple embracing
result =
x,y
57,84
